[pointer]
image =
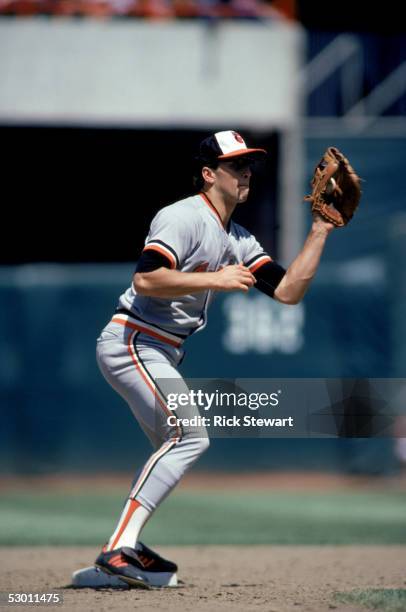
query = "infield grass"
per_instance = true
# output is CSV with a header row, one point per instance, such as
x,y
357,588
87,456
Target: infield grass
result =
x,y
209,517
387,600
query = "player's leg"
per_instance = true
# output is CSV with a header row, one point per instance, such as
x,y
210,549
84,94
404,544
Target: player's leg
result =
x,y
134,365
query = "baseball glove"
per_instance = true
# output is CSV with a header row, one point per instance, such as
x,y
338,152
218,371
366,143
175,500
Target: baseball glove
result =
x,y
336,190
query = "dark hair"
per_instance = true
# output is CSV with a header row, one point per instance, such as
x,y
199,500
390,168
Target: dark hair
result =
x,y
199,164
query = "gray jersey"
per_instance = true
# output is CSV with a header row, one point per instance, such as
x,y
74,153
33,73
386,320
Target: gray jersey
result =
x,y
190,234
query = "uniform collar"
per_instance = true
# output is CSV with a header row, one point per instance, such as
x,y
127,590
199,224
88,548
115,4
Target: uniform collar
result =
x,y
213,209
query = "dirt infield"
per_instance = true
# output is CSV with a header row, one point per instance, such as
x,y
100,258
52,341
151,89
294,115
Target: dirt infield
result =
x,y
254,578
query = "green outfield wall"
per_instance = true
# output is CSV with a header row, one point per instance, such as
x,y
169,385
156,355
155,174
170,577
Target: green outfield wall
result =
x,y
58,413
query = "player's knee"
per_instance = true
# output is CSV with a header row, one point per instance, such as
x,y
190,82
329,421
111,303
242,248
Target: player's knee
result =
x,y
196,446
203,445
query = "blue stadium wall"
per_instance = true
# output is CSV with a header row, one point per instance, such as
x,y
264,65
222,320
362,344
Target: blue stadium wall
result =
x,y
58,414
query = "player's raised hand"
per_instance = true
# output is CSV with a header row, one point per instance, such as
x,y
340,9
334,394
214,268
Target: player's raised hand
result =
x,y
234,278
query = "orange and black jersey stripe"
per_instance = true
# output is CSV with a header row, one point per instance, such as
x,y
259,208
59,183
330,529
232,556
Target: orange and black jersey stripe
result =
x,y
163,249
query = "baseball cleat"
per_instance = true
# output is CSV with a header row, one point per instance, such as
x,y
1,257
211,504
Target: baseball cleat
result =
x,y
125,564
139,567
152,561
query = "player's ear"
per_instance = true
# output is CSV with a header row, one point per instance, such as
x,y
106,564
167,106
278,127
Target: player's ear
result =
x,y
208,175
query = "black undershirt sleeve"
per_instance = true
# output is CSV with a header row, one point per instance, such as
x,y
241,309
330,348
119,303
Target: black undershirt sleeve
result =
x,y
151,260
268,277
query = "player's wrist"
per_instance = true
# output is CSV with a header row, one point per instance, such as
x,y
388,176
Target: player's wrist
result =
x,y
320,226
214,281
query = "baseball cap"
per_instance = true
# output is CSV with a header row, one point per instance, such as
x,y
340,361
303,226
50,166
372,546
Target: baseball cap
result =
x,y
226,145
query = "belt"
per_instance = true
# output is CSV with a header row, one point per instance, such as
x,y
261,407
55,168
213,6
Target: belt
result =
x,y
128,319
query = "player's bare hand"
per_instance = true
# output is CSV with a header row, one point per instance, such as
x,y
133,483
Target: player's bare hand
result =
x,y
234,278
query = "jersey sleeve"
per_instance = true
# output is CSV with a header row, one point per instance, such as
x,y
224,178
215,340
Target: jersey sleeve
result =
x,y
171,235
253,256
151,260
267,272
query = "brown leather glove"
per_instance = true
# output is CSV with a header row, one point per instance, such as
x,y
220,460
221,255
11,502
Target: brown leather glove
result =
x,y
336,190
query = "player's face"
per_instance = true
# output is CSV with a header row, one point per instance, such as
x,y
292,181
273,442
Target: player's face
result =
x,y
233,179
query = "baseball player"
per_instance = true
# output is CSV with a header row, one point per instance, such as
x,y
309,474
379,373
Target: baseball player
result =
x,y
192,251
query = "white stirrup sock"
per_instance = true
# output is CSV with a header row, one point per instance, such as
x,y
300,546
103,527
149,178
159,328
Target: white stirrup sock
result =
x,y
132,520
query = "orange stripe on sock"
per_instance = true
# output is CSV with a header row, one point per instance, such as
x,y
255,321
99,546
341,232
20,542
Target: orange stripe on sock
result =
x,y
133,506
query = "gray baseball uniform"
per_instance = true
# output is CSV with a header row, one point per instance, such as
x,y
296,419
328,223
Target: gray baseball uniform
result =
x,y
142,344
191,236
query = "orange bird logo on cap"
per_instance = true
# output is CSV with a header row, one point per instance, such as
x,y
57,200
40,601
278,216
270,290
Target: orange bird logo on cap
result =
x,y
238,137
